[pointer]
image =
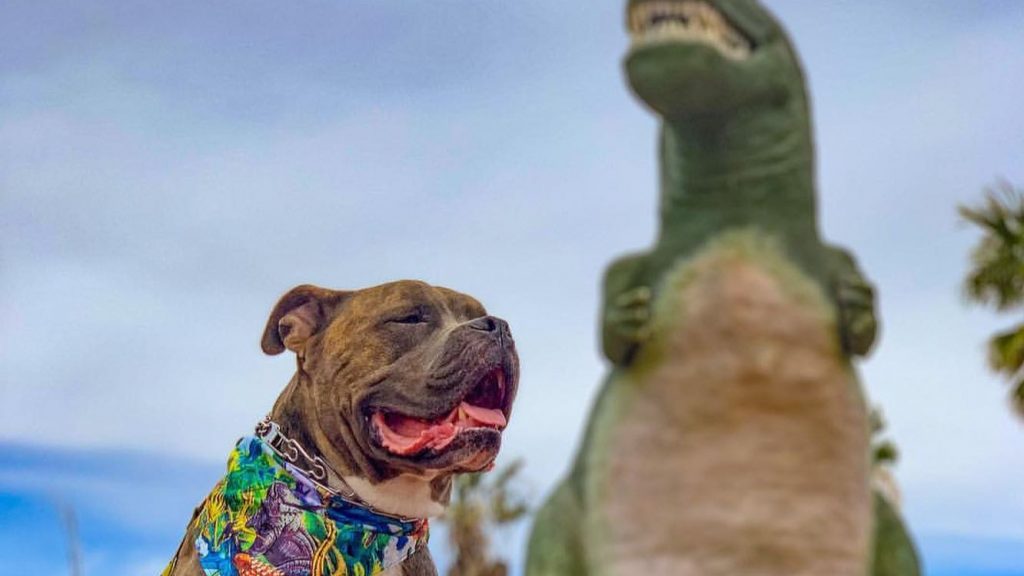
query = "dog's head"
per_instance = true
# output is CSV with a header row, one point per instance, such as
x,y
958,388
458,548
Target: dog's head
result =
x,y
405,377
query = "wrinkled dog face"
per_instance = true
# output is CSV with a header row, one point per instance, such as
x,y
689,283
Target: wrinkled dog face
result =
x,y
421,376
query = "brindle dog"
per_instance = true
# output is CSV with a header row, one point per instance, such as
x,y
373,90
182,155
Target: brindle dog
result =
x,y
369,363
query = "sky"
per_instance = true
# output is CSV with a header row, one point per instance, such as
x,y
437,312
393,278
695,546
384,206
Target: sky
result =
x,y
168,170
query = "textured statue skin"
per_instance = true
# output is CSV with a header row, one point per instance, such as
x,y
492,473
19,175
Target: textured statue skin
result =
x,y
730,437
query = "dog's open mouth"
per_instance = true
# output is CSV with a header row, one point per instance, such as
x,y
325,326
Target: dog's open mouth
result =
x,y
667,21
483,408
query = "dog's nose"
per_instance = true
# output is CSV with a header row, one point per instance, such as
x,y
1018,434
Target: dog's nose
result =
x,y
484,324
496,327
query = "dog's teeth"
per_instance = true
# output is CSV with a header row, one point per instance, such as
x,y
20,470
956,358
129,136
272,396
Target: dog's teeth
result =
x,y
660,20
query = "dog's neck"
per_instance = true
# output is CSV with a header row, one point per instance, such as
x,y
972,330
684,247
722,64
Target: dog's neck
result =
x,y
296,411
406,495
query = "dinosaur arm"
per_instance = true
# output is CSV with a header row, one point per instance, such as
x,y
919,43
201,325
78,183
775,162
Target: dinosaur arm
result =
x,y
855,299
625,309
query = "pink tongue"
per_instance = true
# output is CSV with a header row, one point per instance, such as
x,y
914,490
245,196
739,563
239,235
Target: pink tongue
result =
x,y
409,436
486,416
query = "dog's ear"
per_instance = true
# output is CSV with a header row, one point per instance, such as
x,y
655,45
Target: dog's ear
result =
x,y
299,314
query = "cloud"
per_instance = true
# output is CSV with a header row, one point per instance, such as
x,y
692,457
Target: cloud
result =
x,y
148,239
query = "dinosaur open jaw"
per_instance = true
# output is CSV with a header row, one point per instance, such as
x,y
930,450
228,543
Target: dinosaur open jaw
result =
x,y
686,21
483,409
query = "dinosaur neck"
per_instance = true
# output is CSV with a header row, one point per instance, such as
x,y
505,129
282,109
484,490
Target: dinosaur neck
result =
x,y
752,168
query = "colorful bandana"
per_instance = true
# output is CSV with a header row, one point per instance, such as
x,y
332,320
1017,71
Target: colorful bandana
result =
x,y
265,518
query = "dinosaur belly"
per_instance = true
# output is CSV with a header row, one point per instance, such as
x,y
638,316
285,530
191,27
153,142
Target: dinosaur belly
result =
x,y
737,443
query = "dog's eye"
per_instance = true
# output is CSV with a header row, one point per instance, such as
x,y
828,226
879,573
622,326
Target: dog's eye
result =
x,y
413,318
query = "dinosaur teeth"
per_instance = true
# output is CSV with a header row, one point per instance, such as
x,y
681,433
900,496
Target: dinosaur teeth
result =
x,y
661,21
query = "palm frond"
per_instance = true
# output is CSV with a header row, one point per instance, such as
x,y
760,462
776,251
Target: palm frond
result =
x,y
1017,397
1006,351
997,262
506,504
478,506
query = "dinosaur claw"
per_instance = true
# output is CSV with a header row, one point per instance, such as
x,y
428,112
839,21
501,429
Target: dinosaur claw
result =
x,y
634,297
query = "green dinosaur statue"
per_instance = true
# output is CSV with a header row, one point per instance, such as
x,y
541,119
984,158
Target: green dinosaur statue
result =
x,y
731,436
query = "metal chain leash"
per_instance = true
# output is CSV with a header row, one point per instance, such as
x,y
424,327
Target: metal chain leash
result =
x,y
289,449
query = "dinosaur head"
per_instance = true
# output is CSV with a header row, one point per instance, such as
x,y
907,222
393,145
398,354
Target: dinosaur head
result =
x,y
700,58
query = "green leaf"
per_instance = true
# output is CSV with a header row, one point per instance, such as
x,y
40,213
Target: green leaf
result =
x,y
1006,351
996,276
886,453
1017,396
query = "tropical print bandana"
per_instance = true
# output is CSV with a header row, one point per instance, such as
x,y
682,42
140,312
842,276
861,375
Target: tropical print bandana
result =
x,y
265,518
